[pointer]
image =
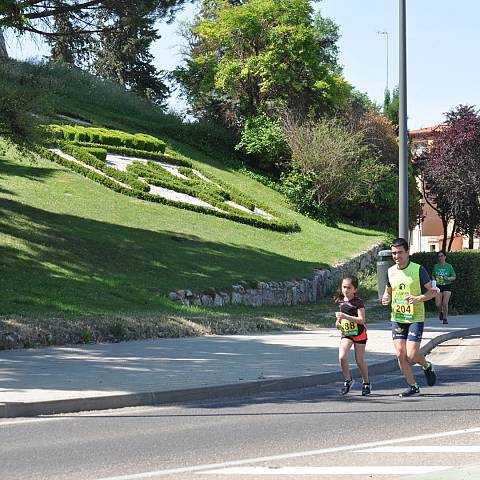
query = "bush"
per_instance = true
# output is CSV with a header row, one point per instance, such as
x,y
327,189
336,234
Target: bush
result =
x,y
263,141
116,138
100,153
466,289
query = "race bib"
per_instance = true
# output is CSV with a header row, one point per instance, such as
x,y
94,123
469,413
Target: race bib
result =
x,y
349,328
403,309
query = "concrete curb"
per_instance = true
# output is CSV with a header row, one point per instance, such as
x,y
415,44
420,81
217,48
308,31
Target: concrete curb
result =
x,y
51,407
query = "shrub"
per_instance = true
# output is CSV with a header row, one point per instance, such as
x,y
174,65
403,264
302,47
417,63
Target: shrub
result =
x,y
466,289
116,138
100,153
263,141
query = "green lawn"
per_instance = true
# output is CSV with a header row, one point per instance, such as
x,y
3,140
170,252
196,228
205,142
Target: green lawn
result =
x,y
71,245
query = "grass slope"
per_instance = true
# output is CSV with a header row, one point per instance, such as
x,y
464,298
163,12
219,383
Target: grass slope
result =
x,y
72,249
70,245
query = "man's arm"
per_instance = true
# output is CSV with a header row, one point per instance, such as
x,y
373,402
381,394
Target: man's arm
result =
x,y
387,295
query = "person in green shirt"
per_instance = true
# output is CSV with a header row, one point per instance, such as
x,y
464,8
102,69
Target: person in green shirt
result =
x,y
445,275
408,288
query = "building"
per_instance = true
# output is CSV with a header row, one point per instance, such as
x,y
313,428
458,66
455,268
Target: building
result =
x,y
428,236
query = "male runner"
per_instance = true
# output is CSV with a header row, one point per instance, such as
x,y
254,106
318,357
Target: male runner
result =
x,y
408,287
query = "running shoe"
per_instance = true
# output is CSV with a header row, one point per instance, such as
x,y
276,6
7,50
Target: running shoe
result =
x,y
411,391
445,321
347,384
430,375
366,389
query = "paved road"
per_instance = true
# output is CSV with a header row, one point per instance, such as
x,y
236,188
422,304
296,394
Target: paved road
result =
x,y
300,434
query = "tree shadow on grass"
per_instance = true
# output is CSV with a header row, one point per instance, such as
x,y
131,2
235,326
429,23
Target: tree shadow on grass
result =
x,y
64,263
29,170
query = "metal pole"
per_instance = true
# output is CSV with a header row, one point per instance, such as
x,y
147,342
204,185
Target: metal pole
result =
x,y
402,129
386,36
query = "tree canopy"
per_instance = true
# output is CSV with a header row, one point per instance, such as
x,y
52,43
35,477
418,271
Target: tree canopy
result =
x,y
450,171
245,59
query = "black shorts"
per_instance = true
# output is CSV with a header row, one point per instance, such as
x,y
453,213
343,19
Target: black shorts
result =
x,y
407,331
445,288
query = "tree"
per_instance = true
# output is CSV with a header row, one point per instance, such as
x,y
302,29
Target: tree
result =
x,y
391,105
450,170
260,56
122,54
3,46
37,16
69,45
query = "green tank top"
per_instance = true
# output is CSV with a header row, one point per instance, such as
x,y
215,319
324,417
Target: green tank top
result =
x,y
404,282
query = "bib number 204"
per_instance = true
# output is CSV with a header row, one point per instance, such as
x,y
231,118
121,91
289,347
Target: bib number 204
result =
x,y
404,308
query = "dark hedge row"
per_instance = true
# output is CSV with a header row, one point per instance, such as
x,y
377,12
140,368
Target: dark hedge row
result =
x,y
466,289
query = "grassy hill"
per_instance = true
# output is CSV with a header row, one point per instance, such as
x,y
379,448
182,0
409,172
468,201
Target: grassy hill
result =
x,y
73,250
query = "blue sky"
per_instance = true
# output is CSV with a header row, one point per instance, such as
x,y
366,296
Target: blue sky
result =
x,y
442,45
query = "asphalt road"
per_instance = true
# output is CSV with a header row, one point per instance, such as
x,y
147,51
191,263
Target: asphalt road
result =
x,y
302,434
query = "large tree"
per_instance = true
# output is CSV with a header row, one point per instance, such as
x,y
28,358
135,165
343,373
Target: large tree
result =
x,y
245,59
123,53
38,16
450,170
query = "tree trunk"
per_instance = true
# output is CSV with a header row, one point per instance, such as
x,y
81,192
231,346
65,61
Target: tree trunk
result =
x,y
452,236
470,238
3,46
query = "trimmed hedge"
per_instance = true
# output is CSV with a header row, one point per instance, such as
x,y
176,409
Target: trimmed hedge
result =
x,y
80,154
84,156
466,289
103,136
130,152
100,153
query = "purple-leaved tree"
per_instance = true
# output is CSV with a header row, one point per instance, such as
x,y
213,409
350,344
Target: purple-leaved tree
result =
x,y
450,173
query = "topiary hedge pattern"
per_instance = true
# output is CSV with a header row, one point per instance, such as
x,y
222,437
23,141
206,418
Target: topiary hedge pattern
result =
x,y
103,136
466,289
215,192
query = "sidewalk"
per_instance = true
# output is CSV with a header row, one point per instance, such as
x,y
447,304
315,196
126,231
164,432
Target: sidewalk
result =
x,y
94,377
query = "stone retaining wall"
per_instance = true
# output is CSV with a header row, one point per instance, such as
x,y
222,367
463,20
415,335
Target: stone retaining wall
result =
x,y
282,293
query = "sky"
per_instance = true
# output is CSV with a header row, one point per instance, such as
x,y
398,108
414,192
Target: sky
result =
x,y
442,51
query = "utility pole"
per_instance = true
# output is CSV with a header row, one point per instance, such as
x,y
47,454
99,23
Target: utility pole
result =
x,y
402,128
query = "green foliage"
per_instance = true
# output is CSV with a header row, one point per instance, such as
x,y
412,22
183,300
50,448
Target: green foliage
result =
x,y
299,188
132,152
215,192
391,105
123,52
338,175
260,56
262,140
466,288
98,152
20,105
103,136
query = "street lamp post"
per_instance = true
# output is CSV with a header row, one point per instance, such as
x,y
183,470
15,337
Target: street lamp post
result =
x,y
402,128
386,37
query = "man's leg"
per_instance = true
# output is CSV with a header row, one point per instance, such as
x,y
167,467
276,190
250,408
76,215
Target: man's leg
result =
x,y
414,355
401,352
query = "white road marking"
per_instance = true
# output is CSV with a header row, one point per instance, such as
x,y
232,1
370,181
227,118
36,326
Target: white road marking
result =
x,y
246,461
368,470
425,449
